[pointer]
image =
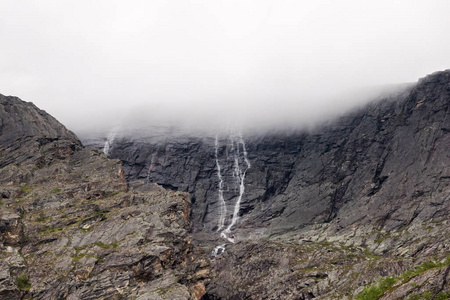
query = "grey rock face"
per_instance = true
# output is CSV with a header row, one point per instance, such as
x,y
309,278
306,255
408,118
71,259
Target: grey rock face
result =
x,y
376,179
31,137
384,166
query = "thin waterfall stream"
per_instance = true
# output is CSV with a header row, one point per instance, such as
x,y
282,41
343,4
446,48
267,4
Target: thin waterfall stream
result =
x,y
237,161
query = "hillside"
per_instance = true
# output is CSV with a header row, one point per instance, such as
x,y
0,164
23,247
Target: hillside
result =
x,y
73,228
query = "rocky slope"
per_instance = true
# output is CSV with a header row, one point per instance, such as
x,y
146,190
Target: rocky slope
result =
x,y
363,197
71,227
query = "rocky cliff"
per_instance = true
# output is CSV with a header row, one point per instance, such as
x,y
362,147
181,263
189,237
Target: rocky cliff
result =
x,y
71,227
323,212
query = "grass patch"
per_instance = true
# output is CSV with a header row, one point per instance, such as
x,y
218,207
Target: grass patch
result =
x,y
101,213
42,217
103,245
442,296
107,246
377,290
163,291
371,255
55,191
77,249
51,229
77,257
25,188
23,282
427,295
414,297
423,267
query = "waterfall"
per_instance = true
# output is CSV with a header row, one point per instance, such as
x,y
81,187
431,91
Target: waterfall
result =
x,y
223,206
236,165
240,174
109,141
151,167
218,250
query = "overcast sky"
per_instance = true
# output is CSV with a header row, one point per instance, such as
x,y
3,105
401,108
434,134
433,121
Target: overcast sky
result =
x,y
87,62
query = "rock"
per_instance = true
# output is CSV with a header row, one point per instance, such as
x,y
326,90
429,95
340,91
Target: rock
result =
x,y
380,168
71,228
11,229
26,131
375,179
198,291
323,213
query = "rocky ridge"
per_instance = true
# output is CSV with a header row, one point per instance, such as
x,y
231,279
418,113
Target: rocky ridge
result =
x,y
72,227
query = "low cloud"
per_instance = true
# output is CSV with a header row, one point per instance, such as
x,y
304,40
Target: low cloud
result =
x,y
206,64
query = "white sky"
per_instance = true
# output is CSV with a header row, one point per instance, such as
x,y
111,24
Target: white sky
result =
x,y
86,62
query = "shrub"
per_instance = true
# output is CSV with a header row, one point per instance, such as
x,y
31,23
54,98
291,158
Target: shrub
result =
x,y
23,283
377,290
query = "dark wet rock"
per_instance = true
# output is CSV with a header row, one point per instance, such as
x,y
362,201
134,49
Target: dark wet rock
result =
x,y
384,166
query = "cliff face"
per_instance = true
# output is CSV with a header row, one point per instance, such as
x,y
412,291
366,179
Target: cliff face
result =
x,y
376,180
71,227
387,162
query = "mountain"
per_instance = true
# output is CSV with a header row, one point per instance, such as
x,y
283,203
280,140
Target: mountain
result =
x,y
315,213
357,208
72,227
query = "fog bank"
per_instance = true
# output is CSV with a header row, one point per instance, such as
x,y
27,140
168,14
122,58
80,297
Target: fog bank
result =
x,y
97,64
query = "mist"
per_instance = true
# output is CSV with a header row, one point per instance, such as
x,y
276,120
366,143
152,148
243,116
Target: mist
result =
x,y
96,65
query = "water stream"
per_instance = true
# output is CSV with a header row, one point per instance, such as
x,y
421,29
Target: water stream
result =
x,y
237,161
109,141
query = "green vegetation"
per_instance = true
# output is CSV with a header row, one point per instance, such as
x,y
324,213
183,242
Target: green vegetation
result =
x,y
163,291
429,295
51,229
23,283
425,266
55,191
414,297
42,217
26,189
101,213
106,246
442,296
371,255
77,249
77,257
377,290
